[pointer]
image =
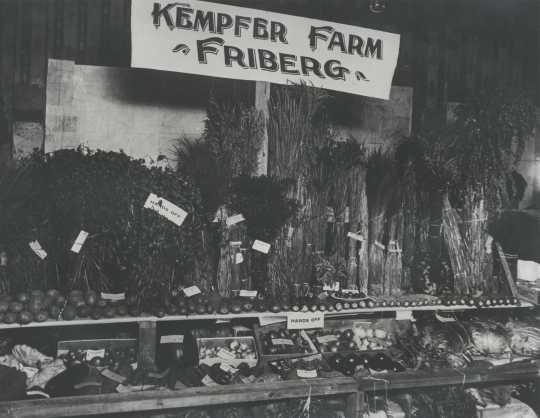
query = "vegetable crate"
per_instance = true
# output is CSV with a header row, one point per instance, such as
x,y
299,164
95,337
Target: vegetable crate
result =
x,y
229,350
274,341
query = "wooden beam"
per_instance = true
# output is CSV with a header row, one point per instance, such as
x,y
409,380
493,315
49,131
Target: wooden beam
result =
x,y
90,405
262,96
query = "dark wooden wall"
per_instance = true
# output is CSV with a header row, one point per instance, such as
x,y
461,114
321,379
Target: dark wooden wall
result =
x,y
449,48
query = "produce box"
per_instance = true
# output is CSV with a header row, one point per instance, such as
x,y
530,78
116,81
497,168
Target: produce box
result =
x,y
104,351
230,350
354,335
276,341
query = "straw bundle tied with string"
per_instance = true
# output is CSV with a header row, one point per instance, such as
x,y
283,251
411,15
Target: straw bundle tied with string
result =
x,y
457,250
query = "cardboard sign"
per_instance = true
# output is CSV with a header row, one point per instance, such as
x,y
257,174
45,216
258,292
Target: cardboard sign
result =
x,y
305,320
192,291
218,40
166,209
37,249
115,377
306,374
248,293
113,296
261,246
90,354
79,242
233,220
171,339
282,341
355,236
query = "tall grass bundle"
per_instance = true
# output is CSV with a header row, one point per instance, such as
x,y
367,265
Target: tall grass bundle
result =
x,y
457,249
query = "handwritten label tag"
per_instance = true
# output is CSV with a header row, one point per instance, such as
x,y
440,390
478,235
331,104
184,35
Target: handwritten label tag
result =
x,y
36,248
248,293
79,242
248,380
192,291
306,374
171,339
208,381
233,220
166,209
115,377
261,246
228,368
90,354
324,339
113,296
404,315
225,354
238,258
444,318
355,236
305,320
282,341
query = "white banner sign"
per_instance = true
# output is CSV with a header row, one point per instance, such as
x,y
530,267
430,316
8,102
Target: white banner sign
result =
x,y
235,42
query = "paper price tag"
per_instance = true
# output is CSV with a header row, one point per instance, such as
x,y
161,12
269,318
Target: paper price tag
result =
x,y
282,341
79,242
233,220
306,374
238,258
444,318
225,354
115,377
113,296
324,339
192,291
171,339
90,354
166,209
208,381
355,236
248,380
305,320
248,293
261,246
228,368
36,248
404,315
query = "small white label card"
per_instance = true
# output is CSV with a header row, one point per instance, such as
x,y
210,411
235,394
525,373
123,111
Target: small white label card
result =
x,y
324,339
248,293
238,258
191,291
36,248
166,209
225,354
261,246
90,354
228,368
233,220
113,296
115,377
282,341
305,320
355,236
79,242
404,315
306,374
208,381
171,339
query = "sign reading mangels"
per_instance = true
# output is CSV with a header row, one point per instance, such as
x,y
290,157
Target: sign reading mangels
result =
x,y
234,42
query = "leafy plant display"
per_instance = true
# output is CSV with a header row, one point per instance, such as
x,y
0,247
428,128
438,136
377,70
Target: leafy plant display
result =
x,y
51,198
263,202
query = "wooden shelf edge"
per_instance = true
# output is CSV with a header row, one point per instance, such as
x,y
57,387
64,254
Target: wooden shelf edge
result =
x,y
254,315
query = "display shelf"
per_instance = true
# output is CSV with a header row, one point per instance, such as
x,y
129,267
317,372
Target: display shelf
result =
x,y
135,403
518,371
255,315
